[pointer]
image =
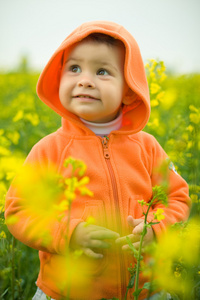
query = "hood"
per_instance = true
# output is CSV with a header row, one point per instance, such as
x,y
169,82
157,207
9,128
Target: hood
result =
x,y
136,114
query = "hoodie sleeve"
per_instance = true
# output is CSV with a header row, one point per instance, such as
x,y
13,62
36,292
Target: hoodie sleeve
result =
x,y
32,229
164,173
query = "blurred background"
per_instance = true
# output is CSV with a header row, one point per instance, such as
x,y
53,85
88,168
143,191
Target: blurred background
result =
x,y
167,30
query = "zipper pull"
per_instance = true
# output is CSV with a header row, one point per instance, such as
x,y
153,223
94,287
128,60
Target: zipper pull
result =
x,y
105,147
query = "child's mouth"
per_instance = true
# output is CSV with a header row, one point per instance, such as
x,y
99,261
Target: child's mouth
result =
x,y
84,96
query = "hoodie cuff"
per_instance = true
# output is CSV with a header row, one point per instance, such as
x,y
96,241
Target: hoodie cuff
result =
x,y
62,241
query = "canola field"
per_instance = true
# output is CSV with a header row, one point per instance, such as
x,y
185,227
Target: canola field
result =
x,y
174,121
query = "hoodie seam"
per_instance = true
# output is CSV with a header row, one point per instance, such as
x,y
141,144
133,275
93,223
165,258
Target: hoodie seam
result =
x,y
144,153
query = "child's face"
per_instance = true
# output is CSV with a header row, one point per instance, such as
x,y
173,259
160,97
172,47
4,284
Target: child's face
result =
x,y
92,84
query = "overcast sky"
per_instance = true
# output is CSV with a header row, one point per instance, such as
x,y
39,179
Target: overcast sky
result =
x,y
164,29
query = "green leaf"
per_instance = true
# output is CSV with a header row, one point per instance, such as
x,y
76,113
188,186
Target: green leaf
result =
x,y
136,293
174,297
110,299
131,282
147,285
145,230
153,223
135,252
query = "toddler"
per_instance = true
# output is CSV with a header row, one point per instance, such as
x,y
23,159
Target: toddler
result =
x,y
96,81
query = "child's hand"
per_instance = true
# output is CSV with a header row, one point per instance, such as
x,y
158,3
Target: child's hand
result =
x,y
89,237
138,225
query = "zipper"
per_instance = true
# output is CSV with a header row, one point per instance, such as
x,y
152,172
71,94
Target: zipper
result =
x,y
106,154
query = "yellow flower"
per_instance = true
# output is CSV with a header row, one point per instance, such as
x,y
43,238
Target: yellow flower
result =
x,y
154,103
2,131
4,151
193,108
90,220
190,128
160,96
154,123
2,235
38,187
14,137
195,118
33,118
159,215
19,115
169,98
154,88
194,198
175,254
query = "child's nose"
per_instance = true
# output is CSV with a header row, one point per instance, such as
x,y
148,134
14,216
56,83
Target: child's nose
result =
x,y
86,82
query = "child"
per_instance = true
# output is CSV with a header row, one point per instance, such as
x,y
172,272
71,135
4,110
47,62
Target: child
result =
x,y
96,81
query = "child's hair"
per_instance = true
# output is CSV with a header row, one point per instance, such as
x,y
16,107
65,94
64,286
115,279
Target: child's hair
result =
x,y
103,38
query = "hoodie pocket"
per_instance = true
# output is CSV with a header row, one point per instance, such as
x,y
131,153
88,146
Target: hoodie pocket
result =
x,y
95,210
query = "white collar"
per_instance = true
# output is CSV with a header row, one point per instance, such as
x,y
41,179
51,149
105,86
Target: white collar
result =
x,y
103,129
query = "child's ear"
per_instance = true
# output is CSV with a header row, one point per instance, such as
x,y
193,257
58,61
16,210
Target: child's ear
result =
x,y
127,100
128,97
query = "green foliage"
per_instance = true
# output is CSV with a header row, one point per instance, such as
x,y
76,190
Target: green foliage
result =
x,y
24,120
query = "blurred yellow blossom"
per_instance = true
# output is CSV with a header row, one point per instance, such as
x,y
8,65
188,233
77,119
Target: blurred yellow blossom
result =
x,y
169,98
195,118
2,131
2,235
176,254
33,118
4,151
10,166
90,220
193,108
159,215
194,115
154,88
19,115
160,96
13,136
190,128
39,189
154,103
194,198
3,190
47,195
154,123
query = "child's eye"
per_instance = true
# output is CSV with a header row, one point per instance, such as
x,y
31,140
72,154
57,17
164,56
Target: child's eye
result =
x,y
102,72
75,69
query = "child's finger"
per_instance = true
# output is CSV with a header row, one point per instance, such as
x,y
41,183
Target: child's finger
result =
x,y
103,234
98,244
90,253
139,228
133,222
127,248
123,241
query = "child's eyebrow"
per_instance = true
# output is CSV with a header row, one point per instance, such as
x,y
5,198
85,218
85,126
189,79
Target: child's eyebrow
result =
x,y
72,58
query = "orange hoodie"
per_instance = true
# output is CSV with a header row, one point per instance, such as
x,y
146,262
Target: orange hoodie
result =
x,y
121,171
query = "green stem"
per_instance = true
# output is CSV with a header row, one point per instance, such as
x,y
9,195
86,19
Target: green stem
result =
x,y
67,253
139,254
67,236
13,269
125,297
